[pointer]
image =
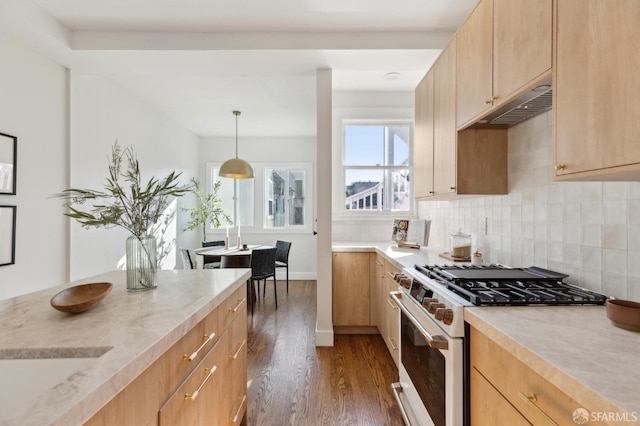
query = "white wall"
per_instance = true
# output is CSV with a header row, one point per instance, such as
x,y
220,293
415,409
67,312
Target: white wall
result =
x,y
302,258
102,112
589,230
34,108
362,106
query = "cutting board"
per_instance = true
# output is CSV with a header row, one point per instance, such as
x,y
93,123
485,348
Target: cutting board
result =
x,y
447,255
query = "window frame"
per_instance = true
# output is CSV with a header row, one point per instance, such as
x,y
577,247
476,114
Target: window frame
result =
x,y
259,188
343,168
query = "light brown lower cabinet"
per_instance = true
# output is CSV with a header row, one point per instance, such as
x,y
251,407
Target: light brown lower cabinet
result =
x,y
504,390
350,277
200,380
392,317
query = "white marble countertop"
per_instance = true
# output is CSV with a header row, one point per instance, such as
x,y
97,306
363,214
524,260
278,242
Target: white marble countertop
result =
x,y
576,348
399,256
137,327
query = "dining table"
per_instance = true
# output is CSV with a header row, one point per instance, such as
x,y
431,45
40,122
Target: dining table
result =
x,y
244,250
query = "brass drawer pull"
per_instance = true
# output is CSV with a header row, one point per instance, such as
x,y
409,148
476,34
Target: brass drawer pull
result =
x,y
240,302
193,356
393,344
559,167
193,396
393,305
234,356
531,400
390,275
379,263
235,418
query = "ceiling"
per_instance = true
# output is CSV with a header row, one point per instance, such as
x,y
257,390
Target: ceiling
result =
x,y
197,61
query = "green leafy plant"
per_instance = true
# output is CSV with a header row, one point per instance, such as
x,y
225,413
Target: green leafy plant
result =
x,y
125,201
208,209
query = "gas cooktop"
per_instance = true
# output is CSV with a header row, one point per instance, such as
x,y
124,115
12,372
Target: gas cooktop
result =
x,y
498,285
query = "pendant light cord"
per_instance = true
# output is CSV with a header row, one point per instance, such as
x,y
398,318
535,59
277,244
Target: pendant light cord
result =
x,y
236,113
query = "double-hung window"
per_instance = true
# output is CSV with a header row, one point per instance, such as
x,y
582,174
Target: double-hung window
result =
x,y
377,163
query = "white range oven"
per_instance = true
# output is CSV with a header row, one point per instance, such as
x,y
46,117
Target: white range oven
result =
x,y
434,362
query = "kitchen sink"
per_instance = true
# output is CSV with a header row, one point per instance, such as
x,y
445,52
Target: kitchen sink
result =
x,y
26,374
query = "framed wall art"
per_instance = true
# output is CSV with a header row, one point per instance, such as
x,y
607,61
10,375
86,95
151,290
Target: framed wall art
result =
x,y
7,235
8,163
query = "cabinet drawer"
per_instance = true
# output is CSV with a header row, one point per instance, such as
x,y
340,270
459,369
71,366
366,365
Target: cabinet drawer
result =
x,y
491,408
232,306
234,373
189,351
379,262
516,381
196,401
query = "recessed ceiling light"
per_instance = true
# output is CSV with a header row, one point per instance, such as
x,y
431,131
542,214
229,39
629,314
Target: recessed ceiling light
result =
x,y
390,76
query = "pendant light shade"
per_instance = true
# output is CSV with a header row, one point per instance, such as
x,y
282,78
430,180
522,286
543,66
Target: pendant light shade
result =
x,y
236,168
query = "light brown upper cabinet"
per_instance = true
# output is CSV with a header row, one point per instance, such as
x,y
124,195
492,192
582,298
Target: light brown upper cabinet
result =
x,y
504,48
423,141
444,122
596,87
446,162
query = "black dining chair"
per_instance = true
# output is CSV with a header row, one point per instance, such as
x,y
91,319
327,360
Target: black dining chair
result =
x,y
210,261
282,257
186,259
263,266
240,261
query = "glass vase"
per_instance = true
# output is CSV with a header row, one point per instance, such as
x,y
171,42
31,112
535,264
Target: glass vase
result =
x,y
142,262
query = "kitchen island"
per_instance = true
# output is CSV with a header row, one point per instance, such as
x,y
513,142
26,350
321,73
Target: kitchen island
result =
x,y
117,340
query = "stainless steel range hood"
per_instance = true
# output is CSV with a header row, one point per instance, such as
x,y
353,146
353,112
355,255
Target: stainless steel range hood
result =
x,y
527,105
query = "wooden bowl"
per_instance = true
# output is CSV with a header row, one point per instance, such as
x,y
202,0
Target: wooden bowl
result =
x,y
624,314
80,298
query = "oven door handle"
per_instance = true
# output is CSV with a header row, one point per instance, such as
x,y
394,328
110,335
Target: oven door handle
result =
x,y
435,342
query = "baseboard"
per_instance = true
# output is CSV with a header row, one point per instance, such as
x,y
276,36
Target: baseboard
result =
x,y
324,337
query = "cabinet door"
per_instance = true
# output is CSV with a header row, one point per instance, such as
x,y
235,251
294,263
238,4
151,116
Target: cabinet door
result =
x,y
381,298
596,82
444,133
423,142
489,407
474,63
350,289
522,31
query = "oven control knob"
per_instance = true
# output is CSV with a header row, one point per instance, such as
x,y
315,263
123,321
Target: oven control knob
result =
x,y
439,314
405,282
433,307
448,316
397,277
427,301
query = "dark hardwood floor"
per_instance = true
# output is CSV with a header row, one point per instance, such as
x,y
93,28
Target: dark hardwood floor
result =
x,y
293,382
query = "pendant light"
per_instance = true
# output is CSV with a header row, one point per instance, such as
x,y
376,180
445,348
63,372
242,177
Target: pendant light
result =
x,y
236,168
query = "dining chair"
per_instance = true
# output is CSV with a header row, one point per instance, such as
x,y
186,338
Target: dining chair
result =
x,y
282,257
210,261
263,266
186,259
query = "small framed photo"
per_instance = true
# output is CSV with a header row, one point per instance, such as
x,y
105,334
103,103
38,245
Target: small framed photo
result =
x,y
8,166
7,235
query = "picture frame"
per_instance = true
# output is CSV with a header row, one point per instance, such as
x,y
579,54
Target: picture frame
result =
x,y
7,235
8,164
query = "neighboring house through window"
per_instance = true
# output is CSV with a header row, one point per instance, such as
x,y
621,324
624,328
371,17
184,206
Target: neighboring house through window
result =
x,y
377,163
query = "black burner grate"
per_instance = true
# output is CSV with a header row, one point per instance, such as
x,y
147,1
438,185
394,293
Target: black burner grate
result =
x,y
531,286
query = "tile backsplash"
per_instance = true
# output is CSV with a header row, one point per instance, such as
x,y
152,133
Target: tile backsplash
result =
x,y
589,230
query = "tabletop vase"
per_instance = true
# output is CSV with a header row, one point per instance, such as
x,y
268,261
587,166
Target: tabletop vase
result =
x,y
142,263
